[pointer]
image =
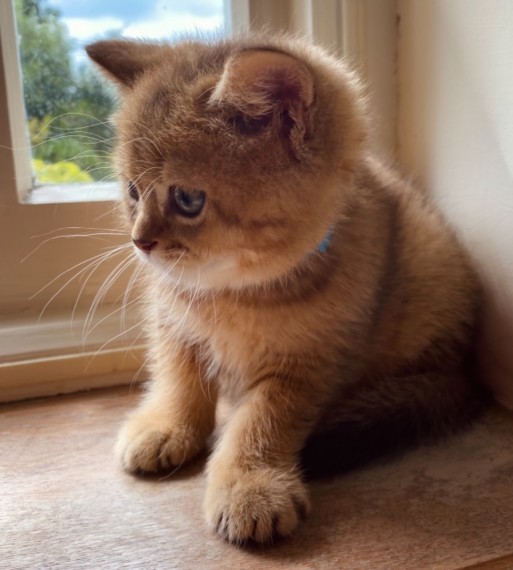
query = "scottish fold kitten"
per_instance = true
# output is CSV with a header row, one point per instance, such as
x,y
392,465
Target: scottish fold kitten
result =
x,y
285,269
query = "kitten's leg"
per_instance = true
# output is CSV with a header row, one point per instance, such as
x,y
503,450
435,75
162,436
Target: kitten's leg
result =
x,y
174,420
254,488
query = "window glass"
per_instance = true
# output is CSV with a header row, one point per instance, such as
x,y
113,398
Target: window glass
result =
x,y
67,102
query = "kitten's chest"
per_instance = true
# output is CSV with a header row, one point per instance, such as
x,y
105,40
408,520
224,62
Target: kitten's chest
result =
x,y
240,341
233,340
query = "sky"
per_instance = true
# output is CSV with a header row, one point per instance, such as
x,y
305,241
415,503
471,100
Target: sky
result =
x,y
157,19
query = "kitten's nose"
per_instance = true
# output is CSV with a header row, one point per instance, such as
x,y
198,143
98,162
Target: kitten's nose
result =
x,y
144,245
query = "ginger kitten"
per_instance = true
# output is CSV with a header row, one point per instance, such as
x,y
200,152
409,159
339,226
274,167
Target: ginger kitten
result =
x,y
285,269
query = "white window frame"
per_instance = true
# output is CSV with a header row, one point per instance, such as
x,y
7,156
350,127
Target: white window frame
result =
x,y
39,355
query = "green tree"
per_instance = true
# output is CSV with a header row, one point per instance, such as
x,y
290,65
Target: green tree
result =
x,y
45,58
67,105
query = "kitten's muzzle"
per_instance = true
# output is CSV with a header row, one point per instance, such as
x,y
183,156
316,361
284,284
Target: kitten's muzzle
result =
x,y
144,245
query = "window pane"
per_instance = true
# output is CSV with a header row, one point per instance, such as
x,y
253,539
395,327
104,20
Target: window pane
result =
x,y
67,102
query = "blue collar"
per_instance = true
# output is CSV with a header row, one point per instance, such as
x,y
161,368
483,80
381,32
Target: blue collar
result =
x,y
325,243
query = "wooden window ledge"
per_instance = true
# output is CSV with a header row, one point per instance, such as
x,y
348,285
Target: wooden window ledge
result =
x,y
67,504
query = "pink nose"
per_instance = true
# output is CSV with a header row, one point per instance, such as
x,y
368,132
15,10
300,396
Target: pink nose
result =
x,y
144,245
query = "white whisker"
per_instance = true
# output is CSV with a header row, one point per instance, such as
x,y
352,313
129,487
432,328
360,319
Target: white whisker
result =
x,y
95,260
97,235
102,291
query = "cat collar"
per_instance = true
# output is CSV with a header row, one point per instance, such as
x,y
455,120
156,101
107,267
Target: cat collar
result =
x,y
325,243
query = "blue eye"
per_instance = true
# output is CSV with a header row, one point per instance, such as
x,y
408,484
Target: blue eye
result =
x,y
188,202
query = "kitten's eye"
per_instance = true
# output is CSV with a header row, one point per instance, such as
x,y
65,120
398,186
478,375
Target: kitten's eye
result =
x,y
189,202
132,191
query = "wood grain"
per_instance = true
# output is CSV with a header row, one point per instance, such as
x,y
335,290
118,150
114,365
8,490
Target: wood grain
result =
x,y
65,503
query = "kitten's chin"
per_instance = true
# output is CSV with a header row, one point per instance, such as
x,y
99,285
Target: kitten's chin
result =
x,y
211,275
224,273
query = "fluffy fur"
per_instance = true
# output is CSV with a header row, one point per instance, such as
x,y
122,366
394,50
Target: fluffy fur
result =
x,y
320,353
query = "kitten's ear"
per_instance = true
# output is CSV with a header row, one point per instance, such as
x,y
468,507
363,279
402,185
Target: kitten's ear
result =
x,y
123,60
265,83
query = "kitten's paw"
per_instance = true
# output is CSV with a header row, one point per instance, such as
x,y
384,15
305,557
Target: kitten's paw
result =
x,y
149,443
255,506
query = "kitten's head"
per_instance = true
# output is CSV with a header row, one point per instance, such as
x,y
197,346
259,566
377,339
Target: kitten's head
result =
x,y
236,158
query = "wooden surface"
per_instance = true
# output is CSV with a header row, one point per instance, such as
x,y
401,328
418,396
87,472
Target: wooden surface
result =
x,y
65,503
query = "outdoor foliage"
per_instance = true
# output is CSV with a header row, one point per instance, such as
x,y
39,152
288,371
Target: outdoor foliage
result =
x,y
67,104
59,172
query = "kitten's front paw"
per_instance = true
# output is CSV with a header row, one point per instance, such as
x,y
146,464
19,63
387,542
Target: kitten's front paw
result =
x,y
257,505
149,442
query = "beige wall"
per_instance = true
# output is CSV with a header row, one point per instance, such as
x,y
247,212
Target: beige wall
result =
x,y
455,132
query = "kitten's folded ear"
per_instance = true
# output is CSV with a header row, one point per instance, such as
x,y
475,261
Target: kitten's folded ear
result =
x,y
265,83
123,60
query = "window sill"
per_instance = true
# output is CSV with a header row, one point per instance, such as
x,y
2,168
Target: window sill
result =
x,y
52,355
73,193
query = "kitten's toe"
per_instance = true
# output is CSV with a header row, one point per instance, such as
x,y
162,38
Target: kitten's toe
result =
x,y
256,506
147,444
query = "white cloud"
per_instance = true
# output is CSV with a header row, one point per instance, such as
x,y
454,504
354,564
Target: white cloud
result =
x,y
86,28
169,24
162,27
